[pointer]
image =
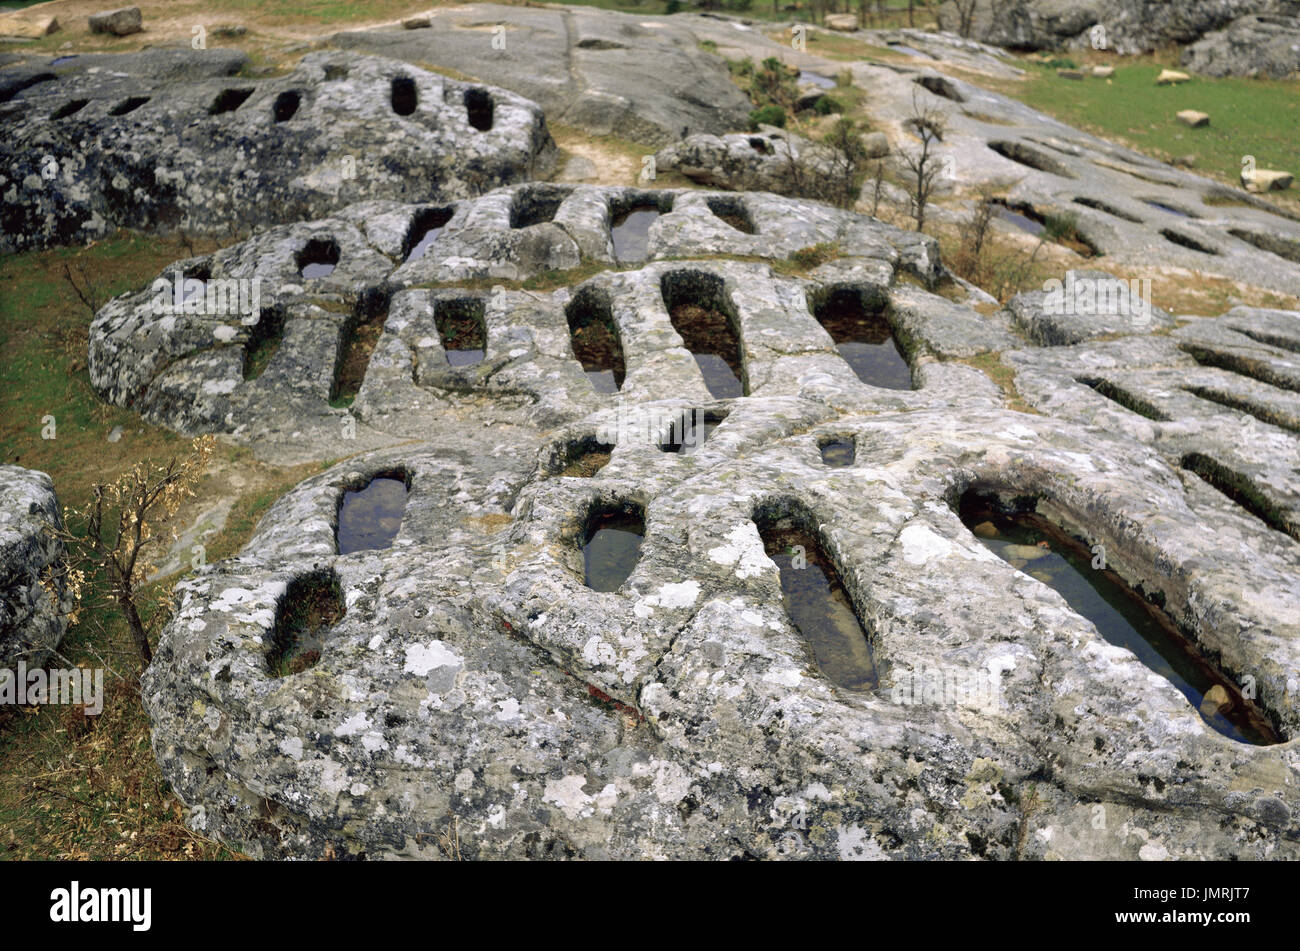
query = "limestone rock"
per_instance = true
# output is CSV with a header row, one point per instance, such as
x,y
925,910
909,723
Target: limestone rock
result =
x,y
1103,72
1215,700
130,148
1254,45
771,159
1190,117
606,73
34,602
1171,77
842,22
120,22
1263,180
417,23
28,27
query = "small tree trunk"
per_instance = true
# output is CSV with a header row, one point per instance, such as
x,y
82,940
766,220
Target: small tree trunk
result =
x,y
126,599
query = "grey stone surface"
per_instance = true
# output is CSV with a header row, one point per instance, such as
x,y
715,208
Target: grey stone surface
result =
x,y
1249,46
770,160
477,700
1131,26
217,155
1220,389
462,693
34,603
607,73
187,371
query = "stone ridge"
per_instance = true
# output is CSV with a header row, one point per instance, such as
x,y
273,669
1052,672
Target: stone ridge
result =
x,y
89,148
187,371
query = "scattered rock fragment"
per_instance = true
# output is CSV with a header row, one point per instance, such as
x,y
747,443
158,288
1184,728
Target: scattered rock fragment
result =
x,y
1263,180
1194,119
1171,77
842,22
120,22
28,27
1216,699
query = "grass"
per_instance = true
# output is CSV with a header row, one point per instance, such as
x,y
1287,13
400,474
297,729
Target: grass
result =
x,y
73,786
1247,116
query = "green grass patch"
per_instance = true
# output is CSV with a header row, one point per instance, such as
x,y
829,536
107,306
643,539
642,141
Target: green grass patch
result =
x,y
1256,117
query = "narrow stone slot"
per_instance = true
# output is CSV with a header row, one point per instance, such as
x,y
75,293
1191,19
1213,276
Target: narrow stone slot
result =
x,y
1171,209
69,108
1028,156
463,330
263,342
580,458
360,335
940,87
691,430
1043,550
228,100
611,544
318,258
403,95
1271,339
286,105
8,91
479,108
1240,490
425,228
1021,215
128,105
1109,209
838,452
1272,243
1187,241
1132,403
630,222
732,210
863,337
1242,366
593,334
814,597
1260,411
369,516
702,315
311,605
536,205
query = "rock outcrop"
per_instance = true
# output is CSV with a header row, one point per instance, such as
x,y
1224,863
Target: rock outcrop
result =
x,y
193,372
606,73
1249,46
474,694
34,603
93,145
1223,37
769,160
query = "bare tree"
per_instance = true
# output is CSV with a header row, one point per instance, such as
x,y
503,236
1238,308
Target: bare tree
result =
x,y
86,289
119,522
924,165
965,16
